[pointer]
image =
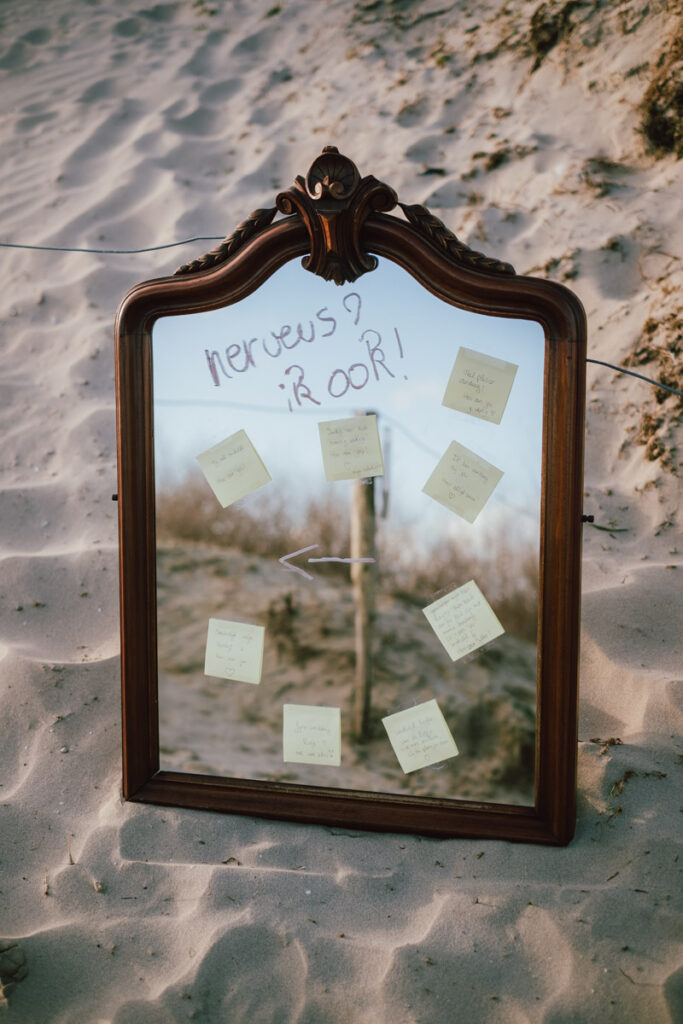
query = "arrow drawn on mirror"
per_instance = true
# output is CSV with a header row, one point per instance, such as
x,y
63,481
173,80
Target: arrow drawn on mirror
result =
x,y
284,561
295,568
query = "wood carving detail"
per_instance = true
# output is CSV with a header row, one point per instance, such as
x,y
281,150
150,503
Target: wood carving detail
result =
x,y
254,223
436,230
334,202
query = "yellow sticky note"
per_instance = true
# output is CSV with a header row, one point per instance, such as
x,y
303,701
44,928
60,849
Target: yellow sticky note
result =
x,y
234,650
480,385
233,468
420,736
463,481
351,448
311,735
463,620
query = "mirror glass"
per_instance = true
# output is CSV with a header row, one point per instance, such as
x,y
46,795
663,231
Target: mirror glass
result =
x,y
432,502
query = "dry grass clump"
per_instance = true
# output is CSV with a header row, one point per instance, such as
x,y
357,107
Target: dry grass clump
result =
x,y
549,23
662,104
662,344
272,526
660,349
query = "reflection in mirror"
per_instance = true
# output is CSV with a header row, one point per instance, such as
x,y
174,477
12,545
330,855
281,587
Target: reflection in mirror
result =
x,y
349,600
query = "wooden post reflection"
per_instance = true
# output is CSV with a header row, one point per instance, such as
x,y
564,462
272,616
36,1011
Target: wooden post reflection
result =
x,y
363,578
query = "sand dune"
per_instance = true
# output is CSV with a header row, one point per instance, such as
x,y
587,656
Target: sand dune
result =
x,y
538,138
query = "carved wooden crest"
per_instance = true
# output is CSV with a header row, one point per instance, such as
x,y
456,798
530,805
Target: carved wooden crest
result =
x,y
334,202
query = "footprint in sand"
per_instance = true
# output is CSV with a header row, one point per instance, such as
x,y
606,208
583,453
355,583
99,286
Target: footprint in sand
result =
x,y
12,967
159,13
413,113
614,266
103,89
256,45
201,122
128,28
266,114
37,36
428,150
35,114
201,63
19,53
219,92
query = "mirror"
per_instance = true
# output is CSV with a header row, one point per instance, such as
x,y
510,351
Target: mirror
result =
x,y
350,526
297,353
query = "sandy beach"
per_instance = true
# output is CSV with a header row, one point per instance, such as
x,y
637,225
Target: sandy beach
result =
x,y
548,135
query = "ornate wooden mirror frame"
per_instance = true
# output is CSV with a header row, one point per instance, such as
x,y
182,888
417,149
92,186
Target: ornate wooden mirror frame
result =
x,y
338,222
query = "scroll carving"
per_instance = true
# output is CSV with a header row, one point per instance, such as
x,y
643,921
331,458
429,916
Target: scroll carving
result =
x,y
254,223
334,203
436,230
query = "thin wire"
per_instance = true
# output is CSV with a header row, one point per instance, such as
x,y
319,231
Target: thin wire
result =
x,y
114,252
620,369
246,406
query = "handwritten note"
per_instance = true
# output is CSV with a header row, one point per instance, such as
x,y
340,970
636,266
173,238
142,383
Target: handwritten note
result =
x,y
463,481
351,448
234,650
480,385
311,735
463,620
420,736
233,468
